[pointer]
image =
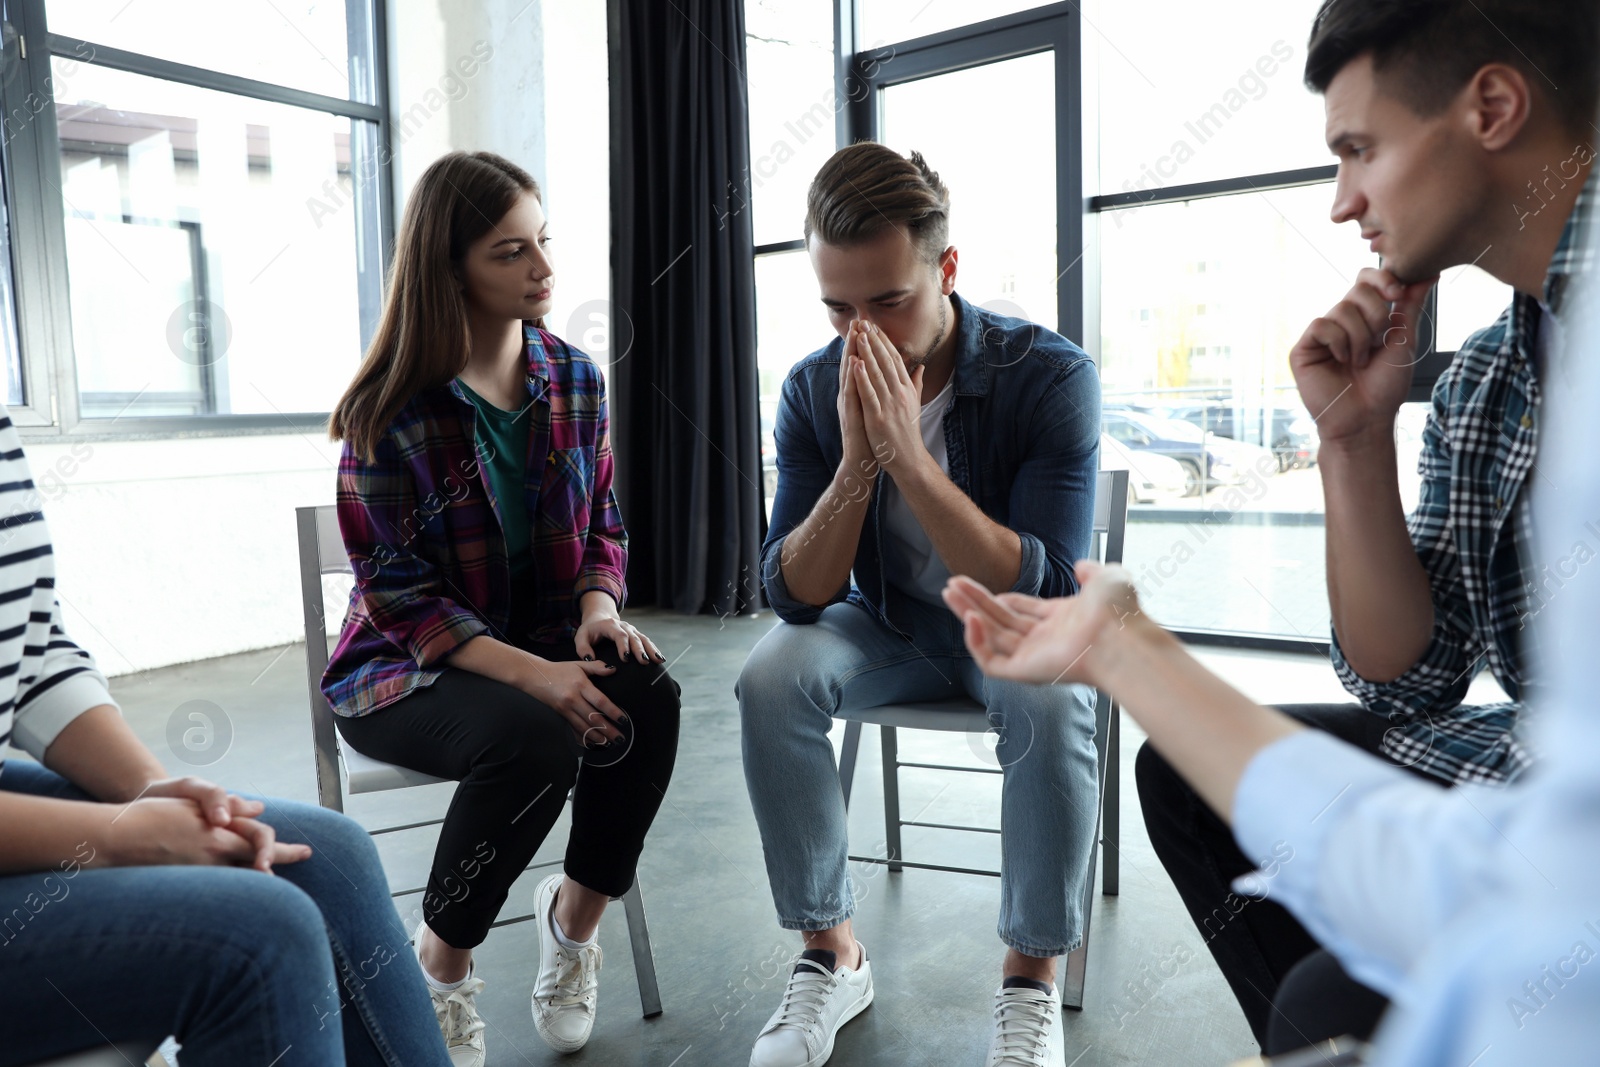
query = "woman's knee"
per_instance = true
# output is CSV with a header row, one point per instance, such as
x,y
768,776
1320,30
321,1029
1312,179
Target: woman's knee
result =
x,y
646,690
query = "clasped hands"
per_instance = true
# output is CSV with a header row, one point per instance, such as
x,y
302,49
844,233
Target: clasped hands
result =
x,y
880,403
193,821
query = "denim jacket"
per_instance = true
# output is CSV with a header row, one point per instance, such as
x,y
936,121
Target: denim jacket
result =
x,y
1023,436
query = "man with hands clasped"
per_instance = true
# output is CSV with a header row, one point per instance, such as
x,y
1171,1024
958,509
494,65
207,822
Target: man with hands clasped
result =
x,y
1452,149
931,436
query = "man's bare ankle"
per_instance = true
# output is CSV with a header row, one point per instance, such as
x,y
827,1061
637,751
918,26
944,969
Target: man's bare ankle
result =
x,y
844,949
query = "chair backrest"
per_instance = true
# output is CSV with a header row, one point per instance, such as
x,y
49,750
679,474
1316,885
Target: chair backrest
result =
x,y
1110,514
321,552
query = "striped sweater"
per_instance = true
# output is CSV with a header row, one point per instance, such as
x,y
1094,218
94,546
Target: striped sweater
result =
x,y
46,680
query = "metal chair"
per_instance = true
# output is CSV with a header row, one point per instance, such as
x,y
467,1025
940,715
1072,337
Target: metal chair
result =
x,y
343,770
964,715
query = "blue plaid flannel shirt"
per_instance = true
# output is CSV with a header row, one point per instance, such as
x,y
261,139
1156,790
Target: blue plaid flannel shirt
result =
x,y
1472,531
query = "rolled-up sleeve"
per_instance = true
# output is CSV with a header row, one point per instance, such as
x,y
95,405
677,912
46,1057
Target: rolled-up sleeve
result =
x,y
66,685
803,477
1439,680
403,594
1052,496
1372,860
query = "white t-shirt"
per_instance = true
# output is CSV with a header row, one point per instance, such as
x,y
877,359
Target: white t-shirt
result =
x,y
909,562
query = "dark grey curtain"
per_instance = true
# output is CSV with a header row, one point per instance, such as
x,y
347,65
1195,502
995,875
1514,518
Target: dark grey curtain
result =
x,y
685,418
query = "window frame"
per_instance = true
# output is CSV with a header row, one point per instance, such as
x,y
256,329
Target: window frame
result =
x,y
1078,216
33,194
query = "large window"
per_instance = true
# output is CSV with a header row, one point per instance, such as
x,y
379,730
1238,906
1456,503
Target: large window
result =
x,y
1206,248
209,194
1215,251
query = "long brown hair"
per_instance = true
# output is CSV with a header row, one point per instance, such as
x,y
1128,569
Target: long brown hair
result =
x,y
422,340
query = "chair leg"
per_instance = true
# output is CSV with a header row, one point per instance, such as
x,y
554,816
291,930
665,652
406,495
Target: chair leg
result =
x,y
891,796
1078,959
644,959
1111,806
847,759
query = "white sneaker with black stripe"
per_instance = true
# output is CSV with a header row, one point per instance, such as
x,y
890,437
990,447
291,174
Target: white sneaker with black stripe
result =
x,y
820,998
1027,1026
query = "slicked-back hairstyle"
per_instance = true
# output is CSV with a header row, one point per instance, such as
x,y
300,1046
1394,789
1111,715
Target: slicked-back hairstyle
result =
x,y
1427,50
865,189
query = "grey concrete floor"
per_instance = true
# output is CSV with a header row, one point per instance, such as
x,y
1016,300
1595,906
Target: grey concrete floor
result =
x,y
718,949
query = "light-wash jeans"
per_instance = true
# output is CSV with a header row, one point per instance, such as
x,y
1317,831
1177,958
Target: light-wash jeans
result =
x,y
799,677
307,967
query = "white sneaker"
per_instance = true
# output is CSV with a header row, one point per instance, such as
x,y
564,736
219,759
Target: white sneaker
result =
x,y
1027,1026
568,985
820,998
459,1021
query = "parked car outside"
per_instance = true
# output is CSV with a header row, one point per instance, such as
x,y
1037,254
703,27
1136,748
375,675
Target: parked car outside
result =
x,y
1151,476
1208,460
1293,438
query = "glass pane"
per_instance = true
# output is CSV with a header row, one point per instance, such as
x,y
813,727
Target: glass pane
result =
x,y
211,249
304,45
1200,305
887,21
791,323
1206,97
1469,300
8,302
793,107
1002,218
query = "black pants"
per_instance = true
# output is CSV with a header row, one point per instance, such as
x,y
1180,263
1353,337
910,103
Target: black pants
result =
x,y
516,758
1256,943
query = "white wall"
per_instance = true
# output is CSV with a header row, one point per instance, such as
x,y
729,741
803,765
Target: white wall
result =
x,y
466,74
172,551
179,550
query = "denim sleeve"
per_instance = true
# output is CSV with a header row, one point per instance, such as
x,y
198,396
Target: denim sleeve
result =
x,y
803,477
1052,499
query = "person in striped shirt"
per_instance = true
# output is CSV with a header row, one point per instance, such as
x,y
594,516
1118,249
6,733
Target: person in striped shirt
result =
x,y
483,641
135,905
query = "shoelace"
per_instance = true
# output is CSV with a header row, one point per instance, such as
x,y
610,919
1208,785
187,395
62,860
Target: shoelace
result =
x,y
804,997
1023,1020
458,1019
575,980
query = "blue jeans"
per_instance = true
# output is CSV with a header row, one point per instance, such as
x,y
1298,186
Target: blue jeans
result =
x,y
799,677
240,966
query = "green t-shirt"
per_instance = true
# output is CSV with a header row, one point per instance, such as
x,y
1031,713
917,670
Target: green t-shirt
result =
x,y
503,436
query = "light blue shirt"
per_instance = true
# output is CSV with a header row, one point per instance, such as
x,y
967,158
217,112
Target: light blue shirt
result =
x,y
1476,910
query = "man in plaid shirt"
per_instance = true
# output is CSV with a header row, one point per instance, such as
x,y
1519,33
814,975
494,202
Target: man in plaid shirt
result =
x,y
1420,604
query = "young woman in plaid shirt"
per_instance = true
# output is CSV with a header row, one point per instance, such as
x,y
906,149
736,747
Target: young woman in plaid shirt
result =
x,y
483,641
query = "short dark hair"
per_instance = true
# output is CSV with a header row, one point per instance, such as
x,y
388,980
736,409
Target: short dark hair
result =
x,y
1431,48
866,188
